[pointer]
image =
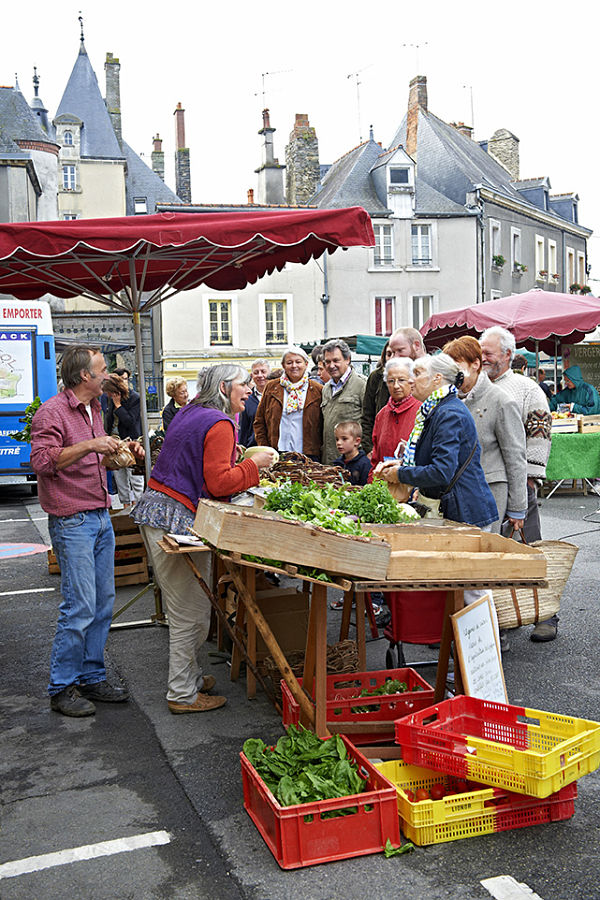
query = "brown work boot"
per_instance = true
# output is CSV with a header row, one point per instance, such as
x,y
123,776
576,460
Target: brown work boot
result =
x,y
202,703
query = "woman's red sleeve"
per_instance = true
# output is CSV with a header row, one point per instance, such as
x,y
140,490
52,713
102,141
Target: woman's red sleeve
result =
x,y
221,478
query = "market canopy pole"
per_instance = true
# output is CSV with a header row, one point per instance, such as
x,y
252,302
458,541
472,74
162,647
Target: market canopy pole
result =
x,y
139,358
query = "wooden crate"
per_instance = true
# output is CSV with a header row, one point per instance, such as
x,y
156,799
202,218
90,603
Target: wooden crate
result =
x,y
435,553
242,530
131,563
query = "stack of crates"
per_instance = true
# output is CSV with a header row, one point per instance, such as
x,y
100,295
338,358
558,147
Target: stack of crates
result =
x,y
500,767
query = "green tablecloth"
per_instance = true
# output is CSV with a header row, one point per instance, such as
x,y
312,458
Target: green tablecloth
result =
x,y
574,456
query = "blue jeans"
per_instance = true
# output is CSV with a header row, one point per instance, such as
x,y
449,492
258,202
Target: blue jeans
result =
x,y
85,550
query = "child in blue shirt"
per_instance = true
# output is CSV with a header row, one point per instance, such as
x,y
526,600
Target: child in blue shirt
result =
x,y
348,436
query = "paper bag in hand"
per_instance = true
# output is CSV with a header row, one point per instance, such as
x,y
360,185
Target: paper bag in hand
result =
x,y
122,458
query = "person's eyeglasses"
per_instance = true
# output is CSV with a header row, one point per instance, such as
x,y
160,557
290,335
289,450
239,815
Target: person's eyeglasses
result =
x,y
399,380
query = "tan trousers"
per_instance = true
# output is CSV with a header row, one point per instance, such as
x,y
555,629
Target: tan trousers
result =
x,y
188,609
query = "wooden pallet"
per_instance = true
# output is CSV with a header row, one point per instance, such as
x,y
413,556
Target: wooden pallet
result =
x,y
131,562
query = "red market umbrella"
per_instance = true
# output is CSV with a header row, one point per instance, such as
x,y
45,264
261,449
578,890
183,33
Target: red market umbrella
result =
x,y
539,320
133,263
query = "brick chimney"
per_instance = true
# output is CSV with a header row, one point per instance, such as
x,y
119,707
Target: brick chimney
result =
x,y
250,196
302,162
417,99
504,147
158,157
112,70
463,129
183,187
270,172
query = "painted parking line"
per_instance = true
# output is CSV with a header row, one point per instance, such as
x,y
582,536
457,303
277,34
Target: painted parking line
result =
x,y
505,887
27,591
87,851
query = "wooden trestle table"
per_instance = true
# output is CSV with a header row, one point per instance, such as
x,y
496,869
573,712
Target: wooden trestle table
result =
x,y
242,574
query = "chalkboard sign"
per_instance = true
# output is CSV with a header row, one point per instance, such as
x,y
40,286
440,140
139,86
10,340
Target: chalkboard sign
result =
x,y
587,357
476,643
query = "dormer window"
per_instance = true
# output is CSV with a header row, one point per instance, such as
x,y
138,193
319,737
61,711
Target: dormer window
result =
x,y
399,175
140,205
68,138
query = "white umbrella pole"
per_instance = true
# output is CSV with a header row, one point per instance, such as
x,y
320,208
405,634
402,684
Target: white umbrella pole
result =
x,y
537,359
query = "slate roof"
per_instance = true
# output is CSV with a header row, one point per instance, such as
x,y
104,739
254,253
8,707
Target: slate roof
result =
x,y
142,181
17,122
430,202
82,98
526,183
454,163
348,182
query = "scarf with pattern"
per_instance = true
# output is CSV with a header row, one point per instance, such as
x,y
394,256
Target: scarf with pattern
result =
x,y
427,407
295,393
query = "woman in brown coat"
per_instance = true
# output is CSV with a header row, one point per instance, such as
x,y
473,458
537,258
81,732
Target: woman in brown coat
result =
x,y
289,413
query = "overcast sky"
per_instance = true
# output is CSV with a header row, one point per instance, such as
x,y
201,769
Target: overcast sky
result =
x,y
529,66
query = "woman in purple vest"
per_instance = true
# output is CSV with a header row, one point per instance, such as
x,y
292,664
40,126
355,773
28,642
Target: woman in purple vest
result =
x,y
197,459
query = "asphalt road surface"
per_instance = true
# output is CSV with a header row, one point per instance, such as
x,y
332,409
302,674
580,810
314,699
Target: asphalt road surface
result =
x,y
135,774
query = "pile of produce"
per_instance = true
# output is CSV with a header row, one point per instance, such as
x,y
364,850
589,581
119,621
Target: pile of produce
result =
x,y
300,468
302,768
389,686
337,508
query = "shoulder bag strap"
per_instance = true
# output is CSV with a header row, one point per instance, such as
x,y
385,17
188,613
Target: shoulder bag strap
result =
x,y
458,473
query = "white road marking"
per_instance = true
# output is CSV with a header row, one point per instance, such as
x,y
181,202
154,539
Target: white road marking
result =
x,y
28,519
88,851
505,887
28,591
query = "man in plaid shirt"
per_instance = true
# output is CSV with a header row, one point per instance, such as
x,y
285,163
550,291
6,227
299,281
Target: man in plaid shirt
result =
x,y
67,444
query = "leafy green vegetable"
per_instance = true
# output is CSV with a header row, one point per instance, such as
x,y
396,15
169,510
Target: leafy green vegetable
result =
x,y
24,436
302,768
390,850
332,506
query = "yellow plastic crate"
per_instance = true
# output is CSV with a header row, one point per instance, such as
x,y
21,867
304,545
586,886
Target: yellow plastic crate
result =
x,y
471,813
526,751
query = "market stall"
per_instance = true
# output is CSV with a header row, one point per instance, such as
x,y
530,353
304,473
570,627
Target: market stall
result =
x,y
404,557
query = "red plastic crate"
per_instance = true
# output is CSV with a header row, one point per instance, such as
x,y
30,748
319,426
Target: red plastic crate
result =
x,y
527,751
299,836
342,699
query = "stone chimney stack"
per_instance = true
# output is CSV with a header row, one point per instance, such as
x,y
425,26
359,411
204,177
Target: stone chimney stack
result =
x,y
302,162
417,99
270,172
183,186
112,69
158,157
504,147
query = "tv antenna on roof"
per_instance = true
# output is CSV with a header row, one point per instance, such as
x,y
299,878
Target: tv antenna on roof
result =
x,y
416,48
358,84
263,75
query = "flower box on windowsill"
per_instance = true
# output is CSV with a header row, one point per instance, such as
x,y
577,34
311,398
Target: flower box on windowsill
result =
x,y
517,273
497,269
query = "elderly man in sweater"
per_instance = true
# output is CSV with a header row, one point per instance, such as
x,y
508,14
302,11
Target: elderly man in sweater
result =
x,y
498,350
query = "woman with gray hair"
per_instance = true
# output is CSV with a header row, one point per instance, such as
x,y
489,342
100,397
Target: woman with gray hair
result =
x,y
289,413
197,460
395,421
442,455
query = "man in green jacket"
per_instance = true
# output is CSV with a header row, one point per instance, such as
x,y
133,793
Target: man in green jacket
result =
x,y
342,396
582,397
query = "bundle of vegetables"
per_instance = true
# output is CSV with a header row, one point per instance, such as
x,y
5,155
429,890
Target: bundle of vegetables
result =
x,y
302,768
389,686
303,469
337,508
